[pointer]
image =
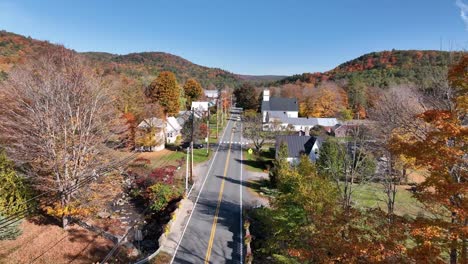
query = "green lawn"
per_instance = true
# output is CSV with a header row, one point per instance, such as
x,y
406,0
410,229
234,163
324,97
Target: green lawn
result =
x,y
168,157
213,128
199,155
258,163
372,195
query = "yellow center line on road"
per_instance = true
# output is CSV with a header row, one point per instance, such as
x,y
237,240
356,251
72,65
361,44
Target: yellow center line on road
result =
x,y
220,198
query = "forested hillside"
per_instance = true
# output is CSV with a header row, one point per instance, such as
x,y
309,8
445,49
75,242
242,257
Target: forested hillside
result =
x,y
149,64
387,68
377,69
143,66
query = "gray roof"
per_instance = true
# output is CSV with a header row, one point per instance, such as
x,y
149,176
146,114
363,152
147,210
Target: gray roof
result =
x,y
277,114
302,121
297,145
280,104
152,122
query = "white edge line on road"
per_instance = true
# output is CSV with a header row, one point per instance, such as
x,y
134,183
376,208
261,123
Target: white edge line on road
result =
x,y
198,196
240,191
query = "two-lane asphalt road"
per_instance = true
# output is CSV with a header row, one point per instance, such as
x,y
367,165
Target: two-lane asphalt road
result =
x,y
214,230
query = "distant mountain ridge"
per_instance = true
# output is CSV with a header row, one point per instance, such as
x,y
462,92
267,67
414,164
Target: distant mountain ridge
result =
x,y
382,69
149,64
143,66
262,78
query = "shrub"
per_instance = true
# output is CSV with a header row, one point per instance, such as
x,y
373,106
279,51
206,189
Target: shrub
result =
x,y
15,192
140,162
161,195
163,174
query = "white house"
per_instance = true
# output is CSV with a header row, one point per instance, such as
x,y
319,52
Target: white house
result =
x,y
150,134
299,145
211,95
200,106
299,123
279,105
173,129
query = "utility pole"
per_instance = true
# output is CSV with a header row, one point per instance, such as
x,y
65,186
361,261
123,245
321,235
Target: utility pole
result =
x,y
208,136
208,132
217,117
187,172
191,146
222,113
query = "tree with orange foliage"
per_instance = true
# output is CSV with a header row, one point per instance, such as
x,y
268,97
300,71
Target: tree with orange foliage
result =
x,y
193,91
442,148
165,91
324,105
325,101
131,124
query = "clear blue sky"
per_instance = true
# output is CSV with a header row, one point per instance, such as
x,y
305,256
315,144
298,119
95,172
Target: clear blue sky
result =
x,y
244,36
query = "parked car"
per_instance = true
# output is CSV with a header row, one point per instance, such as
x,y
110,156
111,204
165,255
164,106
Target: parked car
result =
x,y
198,145
185,145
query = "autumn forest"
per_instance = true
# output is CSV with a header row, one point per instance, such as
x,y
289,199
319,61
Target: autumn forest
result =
x,y
392,189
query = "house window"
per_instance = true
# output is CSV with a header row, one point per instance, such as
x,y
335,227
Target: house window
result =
x,y
169,134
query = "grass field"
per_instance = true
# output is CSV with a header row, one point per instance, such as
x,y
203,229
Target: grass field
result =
x,y
372,195
213,138
258,163
168,157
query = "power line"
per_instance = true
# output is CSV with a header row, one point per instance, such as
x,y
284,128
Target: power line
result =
x,y
17,216
70,190
113,250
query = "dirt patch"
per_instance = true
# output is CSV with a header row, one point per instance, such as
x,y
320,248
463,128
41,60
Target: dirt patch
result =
x,y
253,181
52,244
417,176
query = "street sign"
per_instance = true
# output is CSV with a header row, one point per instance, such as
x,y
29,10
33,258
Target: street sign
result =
x,y
250,151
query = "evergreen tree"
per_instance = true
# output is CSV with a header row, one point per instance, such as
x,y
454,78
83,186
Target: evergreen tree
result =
x,y
357,93
280,164
246,97
165,90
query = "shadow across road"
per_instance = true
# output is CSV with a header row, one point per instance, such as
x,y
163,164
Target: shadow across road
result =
x,y
227,229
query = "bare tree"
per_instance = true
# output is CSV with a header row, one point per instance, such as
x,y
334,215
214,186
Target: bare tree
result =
x,y
347,163
55,113
254,131
395,114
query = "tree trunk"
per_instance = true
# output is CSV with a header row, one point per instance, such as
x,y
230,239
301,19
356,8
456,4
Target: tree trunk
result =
x,y
464,245
65,222
453,244
64,202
